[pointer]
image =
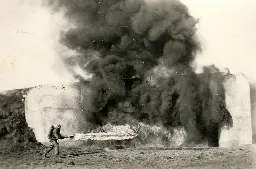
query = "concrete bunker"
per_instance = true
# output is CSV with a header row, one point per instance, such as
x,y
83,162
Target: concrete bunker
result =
x,y
237,92
61,104
52,105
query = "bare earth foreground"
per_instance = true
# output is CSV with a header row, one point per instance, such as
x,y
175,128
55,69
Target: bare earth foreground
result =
x,y
214,158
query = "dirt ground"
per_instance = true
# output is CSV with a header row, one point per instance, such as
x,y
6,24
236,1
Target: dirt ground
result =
x,y
215,158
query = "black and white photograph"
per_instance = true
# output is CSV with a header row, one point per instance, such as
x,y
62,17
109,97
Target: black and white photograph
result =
x,y
128,84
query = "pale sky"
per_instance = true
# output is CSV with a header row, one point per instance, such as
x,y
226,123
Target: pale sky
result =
x,y
227,30
28,55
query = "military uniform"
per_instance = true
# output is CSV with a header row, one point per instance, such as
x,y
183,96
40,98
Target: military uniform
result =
x,y
54,135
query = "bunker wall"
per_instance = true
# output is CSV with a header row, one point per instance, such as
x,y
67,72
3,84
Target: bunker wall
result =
x,y
238,104
53,105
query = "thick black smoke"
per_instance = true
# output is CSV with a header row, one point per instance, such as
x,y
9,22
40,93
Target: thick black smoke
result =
x,y
121,41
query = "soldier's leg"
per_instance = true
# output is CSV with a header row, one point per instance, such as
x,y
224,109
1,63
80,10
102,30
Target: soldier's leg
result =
x,y
56,147
50,148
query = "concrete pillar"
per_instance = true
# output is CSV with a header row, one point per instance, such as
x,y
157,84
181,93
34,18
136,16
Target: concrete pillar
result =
x,y
253,108
238,104
53,105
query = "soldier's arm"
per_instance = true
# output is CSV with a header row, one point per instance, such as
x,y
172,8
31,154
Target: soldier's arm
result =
x,y
62,136
58,135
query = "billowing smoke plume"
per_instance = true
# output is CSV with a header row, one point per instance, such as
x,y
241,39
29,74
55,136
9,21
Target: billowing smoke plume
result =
x,y
121,42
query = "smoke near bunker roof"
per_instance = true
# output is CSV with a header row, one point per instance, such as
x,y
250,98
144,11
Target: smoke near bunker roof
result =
x,y
116,40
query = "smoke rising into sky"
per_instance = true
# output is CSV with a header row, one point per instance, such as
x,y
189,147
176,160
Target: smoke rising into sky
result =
x,y
29,33
120,40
